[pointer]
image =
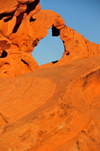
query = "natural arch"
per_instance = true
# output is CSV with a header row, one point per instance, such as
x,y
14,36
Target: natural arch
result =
x,y
23,25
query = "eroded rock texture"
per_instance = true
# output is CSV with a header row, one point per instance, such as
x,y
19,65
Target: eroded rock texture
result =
x,y
57,107
22,25
16,39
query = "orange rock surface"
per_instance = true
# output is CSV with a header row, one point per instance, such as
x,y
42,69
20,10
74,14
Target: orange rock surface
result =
x,y
54,107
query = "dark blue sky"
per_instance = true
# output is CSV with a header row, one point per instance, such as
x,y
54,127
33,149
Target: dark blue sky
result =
x,y
81,15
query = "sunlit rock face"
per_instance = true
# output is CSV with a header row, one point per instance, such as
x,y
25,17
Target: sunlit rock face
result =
x,y
57,106
16,38
22,25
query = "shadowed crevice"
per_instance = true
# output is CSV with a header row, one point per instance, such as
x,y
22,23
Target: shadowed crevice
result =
x,y
54,61
3,118
31,6
4,54
31,19
8,19
18,22
9,15
55,31
25,62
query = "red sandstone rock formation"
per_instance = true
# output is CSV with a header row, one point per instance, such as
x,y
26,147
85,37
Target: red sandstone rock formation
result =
x,y
56,107
22,25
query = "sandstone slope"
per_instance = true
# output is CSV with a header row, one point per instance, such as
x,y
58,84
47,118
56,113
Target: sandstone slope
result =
x,y
56,108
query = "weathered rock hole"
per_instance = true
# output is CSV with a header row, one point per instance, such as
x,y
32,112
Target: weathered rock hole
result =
x,y
67,53
31,19
4,54
25,62
35,42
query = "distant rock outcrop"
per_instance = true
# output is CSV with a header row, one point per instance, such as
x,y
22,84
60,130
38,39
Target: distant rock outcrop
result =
x,y
56,107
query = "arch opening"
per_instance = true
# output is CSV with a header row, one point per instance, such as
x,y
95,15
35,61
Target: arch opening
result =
x,y
50,48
